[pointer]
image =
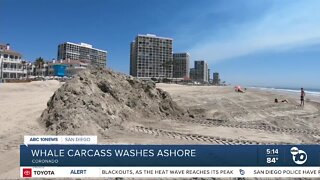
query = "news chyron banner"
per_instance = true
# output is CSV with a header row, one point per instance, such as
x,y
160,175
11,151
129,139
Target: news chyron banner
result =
x,y
82,156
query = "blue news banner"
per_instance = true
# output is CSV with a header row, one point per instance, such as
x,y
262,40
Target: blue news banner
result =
x,y
169,155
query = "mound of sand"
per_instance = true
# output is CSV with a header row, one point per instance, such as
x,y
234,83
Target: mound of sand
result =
x,y
98,99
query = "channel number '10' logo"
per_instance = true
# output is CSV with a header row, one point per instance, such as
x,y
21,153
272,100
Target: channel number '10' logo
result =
x,y
298,156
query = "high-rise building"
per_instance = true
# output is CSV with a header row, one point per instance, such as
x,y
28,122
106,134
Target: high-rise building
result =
x,y
11,64
200,71
181,65
216,78
82,52
133,59
151,57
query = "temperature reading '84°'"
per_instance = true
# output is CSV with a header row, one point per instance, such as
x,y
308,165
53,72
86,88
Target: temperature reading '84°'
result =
x,y
272,156
272,160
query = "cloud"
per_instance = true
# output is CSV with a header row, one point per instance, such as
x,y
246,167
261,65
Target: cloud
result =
x,y
284,26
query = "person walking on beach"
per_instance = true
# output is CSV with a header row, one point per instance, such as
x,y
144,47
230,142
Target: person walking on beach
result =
x,y
302,97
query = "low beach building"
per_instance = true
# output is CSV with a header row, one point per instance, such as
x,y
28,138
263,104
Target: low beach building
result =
x,y
12,66
72,67
41,70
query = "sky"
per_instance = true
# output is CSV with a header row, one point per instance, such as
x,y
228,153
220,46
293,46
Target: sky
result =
x,y
249,42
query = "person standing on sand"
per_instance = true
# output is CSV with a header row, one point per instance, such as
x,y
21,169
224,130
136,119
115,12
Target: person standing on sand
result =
x,y
303,94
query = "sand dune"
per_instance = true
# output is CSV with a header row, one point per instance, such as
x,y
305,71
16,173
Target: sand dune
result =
x,y
221,116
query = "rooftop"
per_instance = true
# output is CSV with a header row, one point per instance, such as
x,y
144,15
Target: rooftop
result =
x,y
181,53
153,36
85,45
5,48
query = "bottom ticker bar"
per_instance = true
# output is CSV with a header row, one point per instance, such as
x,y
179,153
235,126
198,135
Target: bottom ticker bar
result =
x,y
96,172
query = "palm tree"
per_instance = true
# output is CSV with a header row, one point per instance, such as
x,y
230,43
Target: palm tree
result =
x,y
1,73
39,63
24,67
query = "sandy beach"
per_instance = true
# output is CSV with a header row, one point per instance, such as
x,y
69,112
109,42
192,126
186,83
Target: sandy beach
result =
x,y
224,117
20,106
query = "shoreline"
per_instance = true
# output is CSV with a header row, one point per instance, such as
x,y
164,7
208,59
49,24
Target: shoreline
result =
x,y
290,94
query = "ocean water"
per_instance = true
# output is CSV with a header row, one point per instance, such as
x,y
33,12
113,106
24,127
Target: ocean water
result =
x,y
312,92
